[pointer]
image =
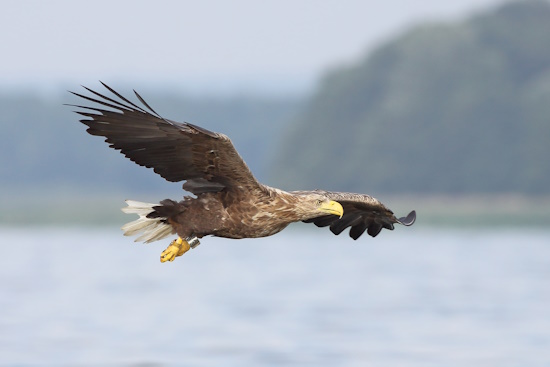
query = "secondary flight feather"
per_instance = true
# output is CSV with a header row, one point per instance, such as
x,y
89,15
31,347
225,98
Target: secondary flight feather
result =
x,y
229,202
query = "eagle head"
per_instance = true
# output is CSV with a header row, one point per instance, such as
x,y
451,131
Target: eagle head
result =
x,y
318,205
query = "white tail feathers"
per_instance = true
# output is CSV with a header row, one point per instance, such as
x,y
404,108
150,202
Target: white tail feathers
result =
x,y
151,229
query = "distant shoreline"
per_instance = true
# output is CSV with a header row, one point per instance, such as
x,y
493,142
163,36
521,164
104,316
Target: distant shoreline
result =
x,y
493,210
475,209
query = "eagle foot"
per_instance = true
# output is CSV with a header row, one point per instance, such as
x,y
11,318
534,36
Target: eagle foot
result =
x,y
176,248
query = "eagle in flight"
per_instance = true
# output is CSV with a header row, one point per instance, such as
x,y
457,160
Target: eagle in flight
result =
x,y
228,200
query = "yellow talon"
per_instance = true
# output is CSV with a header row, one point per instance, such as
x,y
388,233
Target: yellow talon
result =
x,y
176,248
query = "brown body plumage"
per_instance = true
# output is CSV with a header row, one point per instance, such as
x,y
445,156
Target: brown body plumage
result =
x,y
229,201
236,214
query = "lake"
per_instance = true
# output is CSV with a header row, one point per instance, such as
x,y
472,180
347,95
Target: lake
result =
x,y
412,297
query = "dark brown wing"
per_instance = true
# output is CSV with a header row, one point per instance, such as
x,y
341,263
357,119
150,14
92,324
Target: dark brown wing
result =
x,y
361,213
208,161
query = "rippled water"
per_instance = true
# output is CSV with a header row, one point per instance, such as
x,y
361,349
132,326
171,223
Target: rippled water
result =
x,y
412,297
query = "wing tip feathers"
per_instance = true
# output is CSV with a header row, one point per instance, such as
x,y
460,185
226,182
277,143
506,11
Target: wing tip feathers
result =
x,y
409,219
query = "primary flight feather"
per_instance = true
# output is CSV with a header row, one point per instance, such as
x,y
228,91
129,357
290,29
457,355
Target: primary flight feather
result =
x,y
229,201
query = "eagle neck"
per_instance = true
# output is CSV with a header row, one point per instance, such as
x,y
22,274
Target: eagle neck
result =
x,y
288,204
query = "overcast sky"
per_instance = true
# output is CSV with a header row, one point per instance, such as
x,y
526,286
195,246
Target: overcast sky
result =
x,y
200,45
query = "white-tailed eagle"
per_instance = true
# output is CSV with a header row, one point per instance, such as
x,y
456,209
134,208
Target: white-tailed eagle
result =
x,y
229,201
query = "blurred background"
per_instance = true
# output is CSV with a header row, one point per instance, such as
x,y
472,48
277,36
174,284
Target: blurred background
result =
x,y
442,107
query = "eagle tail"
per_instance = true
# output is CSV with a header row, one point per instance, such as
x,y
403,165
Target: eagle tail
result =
x,y
150,229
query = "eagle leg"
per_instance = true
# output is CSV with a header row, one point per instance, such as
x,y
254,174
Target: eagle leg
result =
x,y
176,248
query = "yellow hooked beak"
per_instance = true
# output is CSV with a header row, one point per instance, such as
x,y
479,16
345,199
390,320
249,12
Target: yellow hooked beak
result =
x,y
332,207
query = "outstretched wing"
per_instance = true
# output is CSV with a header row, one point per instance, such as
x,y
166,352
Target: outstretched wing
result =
x,y
208,161
361,213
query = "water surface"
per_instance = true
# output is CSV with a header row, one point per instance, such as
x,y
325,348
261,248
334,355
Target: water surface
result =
x,y
412,297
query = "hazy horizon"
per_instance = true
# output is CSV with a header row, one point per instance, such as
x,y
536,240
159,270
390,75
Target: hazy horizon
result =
x,y
207,47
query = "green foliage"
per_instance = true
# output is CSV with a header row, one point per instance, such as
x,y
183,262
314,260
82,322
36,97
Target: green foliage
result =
x,y
445,108
45,150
